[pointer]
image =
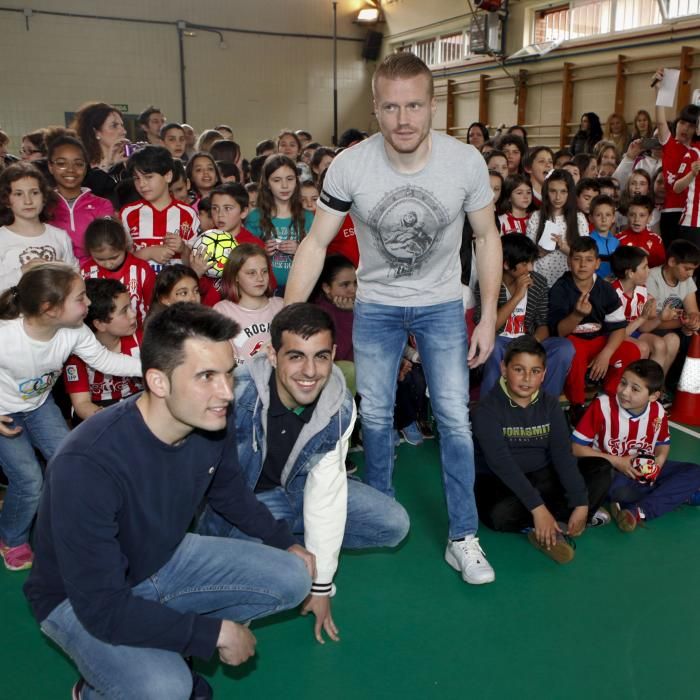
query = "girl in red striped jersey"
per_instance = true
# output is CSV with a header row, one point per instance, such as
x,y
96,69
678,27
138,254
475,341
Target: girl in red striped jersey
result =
x,y
517,204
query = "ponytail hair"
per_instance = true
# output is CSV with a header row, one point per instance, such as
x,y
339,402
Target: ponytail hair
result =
x,y
40,288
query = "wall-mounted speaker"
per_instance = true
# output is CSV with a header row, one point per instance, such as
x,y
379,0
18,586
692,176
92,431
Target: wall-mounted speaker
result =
x,y
372,45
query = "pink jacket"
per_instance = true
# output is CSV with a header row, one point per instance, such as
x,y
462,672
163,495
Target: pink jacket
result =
x,y
74,220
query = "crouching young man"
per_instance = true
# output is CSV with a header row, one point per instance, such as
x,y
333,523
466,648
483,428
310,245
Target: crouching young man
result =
x,y
294,418
118,582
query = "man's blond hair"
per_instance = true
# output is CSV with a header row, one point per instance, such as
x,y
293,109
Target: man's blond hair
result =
x,y
399,66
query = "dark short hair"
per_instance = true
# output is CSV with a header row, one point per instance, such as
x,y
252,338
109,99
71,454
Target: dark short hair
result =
x,y
169,127
513,140
602,199
650,372
234,190
524,343
204,205
641,200
683,251
350,136
529,159
228,169
178,170
626,257
607,182
518,249
105,231
265,145
102,293
584,244
301,319
150,159
166,332
587,183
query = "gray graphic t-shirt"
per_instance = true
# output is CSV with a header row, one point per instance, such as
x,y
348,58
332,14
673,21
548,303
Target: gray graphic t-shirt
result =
x,y
408,227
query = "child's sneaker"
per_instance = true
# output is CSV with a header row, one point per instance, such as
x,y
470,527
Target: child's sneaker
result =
x,y
412,434
694,500
17,558
561,552
77,692
600,517
426,429
626,518
467,557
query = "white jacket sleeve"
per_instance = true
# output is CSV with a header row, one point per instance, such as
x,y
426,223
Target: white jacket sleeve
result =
x,y
325,511
93,353
623,171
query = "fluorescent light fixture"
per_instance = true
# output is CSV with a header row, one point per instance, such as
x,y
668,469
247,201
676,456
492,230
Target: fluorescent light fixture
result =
x,y
368,15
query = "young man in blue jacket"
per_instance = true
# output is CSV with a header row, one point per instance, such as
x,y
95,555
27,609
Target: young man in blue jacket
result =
x,y
294,418
118,582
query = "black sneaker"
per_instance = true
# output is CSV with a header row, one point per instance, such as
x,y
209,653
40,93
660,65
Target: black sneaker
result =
x,y
77,692
350,466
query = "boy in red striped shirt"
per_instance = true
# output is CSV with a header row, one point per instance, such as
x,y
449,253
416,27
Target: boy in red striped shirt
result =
x,y
637,234
158,224
626,429
113,321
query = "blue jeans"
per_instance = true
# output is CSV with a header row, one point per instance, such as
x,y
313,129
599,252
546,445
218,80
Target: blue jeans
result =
x,y
560,353
224,578
379,337
373,519
43,428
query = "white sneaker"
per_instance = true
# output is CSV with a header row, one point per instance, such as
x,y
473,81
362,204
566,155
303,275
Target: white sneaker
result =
x,y
467,556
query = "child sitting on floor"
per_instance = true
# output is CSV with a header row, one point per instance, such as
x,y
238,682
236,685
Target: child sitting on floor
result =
x,y
585,309
602,217
631,431
639,209
527,477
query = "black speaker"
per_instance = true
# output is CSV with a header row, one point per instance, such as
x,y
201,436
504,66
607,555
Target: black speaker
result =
x,y
372,45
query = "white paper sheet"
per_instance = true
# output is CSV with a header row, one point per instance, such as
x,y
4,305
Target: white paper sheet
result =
x,y
547,241
666,97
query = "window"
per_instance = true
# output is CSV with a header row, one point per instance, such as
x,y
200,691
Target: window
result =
x,y
441,50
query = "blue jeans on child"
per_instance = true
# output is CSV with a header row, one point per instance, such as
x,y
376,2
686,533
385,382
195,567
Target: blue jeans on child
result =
x,y
373,519
560,352
225,578
43,428
379,337
677,482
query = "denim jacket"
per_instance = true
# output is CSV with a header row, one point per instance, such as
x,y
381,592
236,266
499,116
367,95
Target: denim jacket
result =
x,y
315,468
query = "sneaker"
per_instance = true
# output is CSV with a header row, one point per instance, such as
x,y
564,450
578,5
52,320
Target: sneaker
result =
x,y
467,556
600,517
412,434
561,552
625,518
77,692
350,466
397,438
426,429
694,500
17,558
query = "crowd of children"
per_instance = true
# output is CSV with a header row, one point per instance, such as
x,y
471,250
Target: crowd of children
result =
x,y
600,249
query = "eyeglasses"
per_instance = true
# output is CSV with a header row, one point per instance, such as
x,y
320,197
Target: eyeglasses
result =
x,y
28,151
65,164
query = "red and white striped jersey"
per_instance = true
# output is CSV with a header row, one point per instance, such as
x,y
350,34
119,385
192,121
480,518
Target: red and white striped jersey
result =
x,y
611,429
135,274
673,153
632,305
646,240
691,212
513,224
79,378
147,226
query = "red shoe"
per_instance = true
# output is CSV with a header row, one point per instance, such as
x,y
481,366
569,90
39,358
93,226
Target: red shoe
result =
x,y
17,558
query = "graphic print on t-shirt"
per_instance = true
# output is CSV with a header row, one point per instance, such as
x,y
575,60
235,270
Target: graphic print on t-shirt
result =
x,y
406,224
45,253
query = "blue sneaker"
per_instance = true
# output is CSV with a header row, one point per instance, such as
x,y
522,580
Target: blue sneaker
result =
x,y
412,434
694,500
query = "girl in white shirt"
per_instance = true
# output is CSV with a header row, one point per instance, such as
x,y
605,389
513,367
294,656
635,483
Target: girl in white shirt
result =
x,y
249,301
25,239
41,324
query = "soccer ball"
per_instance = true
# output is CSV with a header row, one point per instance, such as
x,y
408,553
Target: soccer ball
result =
x,y
647,468
218,245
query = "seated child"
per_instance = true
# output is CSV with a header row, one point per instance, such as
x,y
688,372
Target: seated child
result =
x,y
631,425
517,204
602,216
248,299
639,210
586,190
309,195
180,184
108,247
176,283
586,309
159,225
113,321
206,222
523,308
526,476
631,269
672,285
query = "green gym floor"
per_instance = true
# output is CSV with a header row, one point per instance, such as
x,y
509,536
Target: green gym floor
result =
x,y
620,621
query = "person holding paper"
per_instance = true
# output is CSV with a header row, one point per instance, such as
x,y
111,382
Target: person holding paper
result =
x,y
586,309
556,225
674,147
